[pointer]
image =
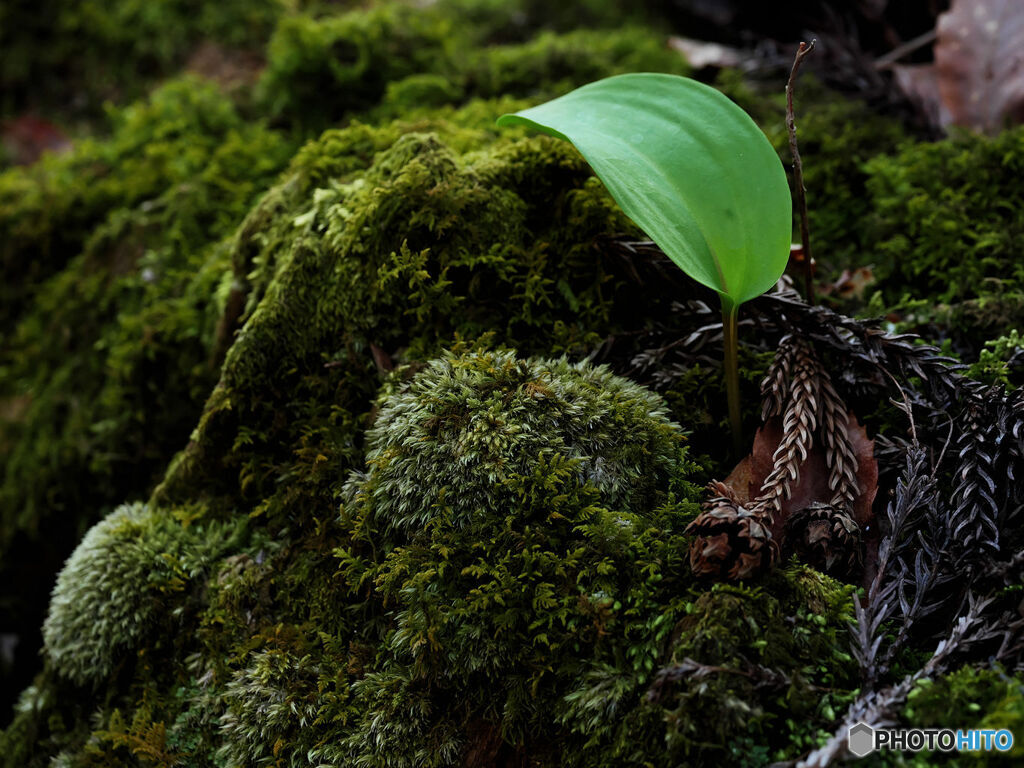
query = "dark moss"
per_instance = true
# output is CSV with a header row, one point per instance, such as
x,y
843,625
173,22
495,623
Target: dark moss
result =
x,y
72,56
837,136
103,374
49,210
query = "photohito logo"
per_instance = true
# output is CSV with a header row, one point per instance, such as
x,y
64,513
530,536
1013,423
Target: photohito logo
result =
x,y
862,739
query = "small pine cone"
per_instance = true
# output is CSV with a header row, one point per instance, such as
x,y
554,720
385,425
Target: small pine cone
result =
x,y
731,542
826,538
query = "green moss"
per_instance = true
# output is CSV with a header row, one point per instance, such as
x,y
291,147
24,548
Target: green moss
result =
x,y
483,619
74,55
837,137
509,21
112,364
945,218
781,673
117,277
508,570
337,64
465,425
119,583
966,698
551,64
321,69
441,244
184,132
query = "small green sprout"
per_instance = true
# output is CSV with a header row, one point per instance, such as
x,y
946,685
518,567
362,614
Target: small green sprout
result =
x,y
695,173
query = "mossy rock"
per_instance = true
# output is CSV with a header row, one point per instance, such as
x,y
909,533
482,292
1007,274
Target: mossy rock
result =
x,y
121,276
478,558
527,622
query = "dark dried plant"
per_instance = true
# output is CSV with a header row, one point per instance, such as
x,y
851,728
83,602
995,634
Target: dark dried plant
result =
x,y
950,536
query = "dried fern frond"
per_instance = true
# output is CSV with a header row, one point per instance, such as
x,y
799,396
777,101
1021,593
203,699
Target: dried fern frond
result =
x,y
952,533
799,423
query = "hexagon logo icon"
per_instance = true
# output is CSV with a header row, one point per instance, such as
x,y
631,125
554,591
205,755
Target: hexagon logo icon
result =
x,y
861,739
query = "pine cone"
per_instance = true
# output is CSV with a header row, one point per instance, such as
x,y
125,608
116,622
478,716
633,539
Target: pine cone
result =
x,y
731,542
827,538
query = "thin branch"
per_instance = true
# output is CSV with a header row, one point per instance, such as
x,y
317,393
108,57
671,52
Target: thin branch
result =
x,y
798,172
897,53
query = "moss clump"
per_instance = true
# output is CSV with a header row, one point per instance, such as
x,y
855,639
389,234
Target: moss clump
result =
x,y
120,247
782,673
117,585
944,216
345,62
49,210
489,580
403,252
461,428
551,64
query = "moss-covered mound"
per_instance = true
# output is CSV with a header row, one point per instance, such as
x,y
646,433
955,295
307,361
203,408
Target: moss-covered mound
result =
x,y
126,273
502,582
391,518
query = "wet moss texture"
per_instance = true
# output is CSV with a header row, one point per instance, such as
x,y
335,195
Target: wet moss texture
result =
x,y
296,380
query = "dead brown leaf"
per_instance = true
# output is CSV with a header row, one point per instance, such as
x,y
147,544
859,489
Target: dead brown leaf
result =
x,y
700,54
920,83
977,80
749,475
979,57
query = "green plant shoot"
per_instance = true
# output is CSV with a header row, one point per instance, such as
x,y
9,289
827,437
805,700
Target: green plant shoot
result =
x,y
695,173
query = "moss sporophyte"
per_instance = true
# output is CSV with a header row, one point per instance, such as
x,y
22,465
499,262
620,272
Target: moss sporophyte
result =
x,y
695,172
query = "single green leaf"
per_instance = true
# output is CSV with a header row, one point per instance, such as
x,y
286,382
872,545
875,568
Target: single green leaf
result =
x,y
689,167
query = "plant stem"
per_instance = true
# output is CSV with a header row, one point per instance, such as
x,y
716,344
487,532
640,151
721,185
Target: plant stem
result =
x,y
730,335
798,174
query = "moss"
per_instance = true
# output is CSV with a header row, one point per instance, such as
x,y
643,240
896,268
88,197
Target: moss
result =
x,y
473,622
837,136
103,374
274,705
113,362
944,216
496,22
345,62
551,64
484,617
49,210
46,720
531,627
75,55
966,698
780,672
321,69
117,585
441,244
464,425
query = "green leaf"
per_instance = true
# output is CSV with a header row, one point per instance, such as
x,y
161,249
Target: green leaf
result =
x,y
689,167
